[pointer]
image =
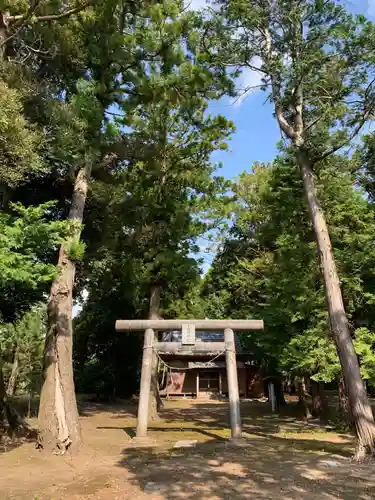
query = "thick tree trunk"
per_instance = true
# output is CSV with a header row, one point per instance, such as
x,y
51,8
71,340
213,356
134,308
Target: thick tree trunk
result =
x,y
343,403
12,382
319,401
279,393
360,408
59,427
11,423
3,33
155,400
302,397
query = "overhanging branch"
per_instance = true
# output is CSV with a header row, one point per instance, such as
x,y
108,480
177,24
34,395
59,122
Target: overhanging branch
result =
x,y
282,121
368,110
50,17
19,21
347,141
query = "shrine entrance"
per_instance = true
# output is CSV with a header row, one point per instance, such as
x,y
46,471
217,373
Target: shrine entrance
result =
x,y
208,381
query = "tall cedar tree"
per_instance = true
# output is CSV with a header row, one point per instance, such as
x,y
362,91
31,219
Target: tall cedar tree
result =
x,y
172,141
164,195
310,55
58,414
128,39
45,48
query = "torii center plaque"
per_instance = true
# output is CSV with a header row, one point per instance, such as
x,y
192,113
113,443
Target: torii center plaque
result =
x,y
188,334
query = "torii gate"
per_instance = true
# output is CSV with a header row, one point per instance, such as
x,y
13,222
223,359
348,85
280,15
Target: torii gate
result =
x,y
188,328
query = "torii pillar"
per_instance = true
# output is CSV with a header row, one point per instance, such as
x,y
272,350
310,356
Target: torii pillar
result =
x,y
149,326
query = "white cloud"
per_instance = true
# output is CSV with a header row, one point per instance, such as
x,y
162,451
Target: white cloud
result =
x,y
196,4
249,81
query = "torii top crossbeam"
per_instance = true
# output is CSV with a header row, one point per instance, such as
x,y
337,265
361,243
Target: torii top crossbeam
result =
x,y
125,325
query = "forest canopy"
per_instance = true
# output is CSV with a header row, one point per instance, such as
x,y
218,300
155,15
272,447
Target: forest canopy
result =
x,y
109,189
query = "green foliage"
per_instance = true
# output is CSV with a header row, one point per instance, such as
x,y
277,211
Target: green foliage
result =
x,y
75,249
26,241
96,377
133,81
312,352
364,345
27,343
189,306
20,156
321,68
144,221
28,245
268,267
22,342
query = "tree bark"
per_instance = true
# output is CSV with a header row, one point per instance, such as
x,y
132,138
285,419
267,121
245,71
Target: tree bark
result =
x,y
11,423
302,398
279,392
360,408
293,128
3,33
59,427
319,401
343,403
155,400
12,382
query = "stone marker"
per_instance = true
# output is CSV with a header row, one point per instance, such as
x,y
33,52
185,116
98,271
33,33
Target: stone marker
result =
x,y
185,444
151,487
329,463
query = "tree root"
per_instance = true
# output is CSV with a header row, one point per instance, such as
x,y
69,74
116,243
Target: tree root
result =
x,y
362,453
12,425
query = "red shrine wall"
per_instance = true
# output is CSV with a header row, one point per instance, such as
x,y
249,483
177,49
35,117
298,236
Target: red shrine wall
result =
x,y
207,382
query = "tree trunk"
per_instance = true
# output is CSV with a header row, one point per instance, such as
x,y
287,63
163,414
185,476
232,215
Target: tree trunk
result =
x,y
11,423
343,406
3,33
319,401
12,382
360,408
59,427
302,398
279,393
155,400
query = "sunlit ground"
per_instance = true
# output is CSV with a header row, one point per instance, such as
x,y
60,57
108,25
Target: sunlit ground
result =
x,y
282,458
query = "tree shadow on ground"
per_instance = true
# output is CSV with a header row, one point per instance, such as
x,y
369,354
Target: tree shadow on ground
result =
x,y
274,462
172,431
14,429
256,418
261,469
120,409
8,444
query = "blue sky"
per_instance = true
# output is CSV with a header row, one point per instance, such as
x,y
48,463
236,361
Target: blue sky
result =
x,y
256,130
257,133
255,137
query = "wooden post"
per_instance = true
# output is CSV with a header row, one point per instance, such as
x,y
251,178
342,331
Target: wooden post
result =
x,y
155,400
220,385
197,384
271,396
144,393
234,398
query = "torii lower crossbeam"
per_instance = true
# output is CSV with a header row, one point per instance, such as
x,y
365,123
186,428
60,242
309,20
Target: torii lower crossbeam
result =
x,y
229,326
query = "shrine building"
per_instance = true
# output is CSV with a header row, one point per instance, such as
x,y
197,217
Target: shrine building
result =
x,y
201,373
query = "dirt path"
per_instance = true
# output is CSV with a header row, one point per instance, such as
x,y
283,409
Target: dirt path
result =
x,y
282,459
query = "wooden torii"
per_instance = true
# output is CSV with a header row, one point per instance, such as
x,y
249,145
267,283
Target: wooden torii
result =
x,y
188,328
